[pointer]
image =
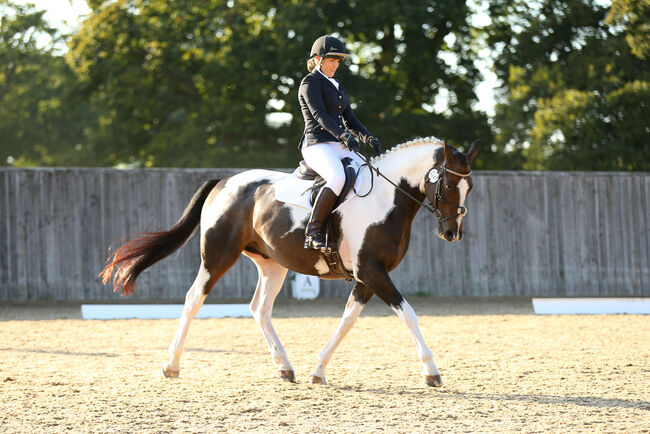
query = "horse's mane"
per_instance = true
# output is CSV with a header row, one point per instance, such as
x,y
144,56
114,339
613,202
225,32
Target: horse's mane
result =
x,y
411,143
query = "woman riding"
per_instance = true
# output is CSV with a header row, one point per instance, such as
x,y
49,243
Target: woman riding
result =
x,y
326,141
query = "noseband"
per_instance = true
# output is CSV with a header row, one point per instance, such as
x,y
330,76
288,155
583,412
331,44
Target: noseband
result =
x,y
438,178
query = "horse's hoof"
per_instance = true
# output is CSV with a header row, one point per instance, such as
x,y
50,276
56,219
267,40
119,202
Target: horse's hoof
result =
x,y
288,375
317,380
170,373
433,380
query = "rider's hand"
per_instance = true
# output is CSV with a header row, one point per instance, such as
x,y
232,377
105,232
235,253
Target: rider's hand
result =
x,y
350,141
375,144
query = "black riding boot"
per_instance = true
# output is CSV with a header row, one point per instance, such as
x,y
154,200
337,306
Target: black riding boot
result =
x,y
314,232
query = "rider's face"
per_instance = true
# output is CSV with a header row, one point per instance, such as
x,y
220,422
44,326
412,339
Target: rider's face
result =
x,y
329,65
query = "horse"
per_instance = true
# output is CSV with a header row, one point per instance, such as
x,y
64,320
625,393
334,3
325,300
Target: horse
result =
x,y
242,214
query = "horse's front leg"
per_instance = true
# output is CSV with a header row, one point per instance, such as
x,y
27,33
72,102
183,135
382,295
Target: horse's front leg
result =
x,y
431,374
376,278
269,283
356,301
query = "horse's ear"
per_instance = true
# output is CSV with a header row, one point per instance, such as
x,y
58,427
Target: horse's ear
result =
x,y
448,151
473,150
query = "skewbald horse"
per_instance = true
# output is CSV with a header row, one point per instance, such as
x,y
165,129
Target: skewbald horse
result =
x,y
241,215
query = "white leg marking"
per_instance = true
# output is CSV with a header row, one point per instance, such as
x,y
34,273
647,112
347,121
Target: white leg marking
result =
x,y
269,283
406,313
352,310
193,301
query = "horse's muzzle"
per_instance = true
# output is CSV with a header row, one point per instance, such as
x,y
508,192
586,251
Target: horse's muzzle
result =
x,y
451,236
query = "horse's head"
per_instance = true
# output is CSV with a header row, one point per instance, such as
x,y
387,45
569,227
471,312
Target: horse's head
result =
x,y
447,185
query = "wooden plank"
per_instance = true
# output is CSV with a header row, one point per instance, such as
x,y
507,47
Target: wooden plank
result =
x,y
493,216
624,203
21,251
566,226
644,234
13,291
586,241
554,233
598,229
504,215
634,240
7,233
483,234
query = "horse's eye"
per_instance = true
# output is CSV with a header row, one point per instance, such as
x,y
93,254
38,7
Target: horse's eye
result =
x,y
450,186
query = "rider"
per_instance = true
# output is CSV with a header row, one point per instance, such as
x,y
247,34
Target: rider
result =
x,y
325,142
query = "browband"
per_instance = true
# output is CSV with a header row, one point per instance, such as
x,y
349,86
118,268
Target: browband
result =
x,y
464,175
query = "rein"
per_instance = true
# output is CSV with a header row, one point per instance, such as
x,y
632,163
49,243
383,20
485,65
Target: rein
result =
x,y
434,179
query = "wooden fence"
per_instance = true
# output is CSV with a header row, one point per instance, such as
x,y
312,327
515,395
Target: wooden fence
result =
x,y
526,234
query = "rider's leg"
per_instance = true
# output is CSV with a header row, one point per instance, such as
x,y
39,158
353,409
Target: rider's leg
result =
x,y
315,232
324,159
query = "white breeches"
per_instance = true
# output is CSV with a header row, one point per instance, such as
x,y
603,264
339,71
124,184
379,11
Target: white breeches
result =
x,y
325,159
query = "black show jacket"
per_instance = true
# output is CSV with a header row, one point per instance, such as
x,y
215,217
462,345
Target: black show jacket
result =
x,y
326,111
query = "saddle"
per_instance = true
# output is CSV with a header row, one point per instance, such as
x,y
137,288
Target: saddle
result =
x,y
305,172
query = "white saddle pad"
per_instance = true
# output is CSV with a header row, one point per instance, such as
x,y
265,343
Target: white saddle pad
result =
x,y
296,191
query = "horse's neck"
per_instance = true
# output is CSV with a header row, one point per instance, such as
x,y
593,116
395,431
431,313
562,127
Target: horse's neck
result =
x,y
408,162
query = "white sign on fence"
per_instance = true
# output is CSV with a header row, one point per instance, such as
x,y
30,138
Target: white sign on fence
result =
x,y
304,287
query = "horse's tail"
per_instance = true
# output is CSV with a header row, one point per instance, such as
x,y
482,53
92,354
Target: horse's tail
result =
x,y
132,258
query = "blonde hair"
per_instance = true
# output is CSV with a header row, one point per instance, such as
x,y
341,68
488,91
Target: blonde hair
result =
x,y
311,64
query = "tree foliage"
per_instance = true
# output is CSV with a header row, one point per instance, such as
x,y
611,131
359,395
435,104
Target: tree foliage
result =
x,y
213,83
577,83
41,122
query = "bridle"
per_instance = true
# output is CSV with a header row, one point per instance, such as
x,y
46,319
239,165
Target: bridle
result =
x,y
438,177
433,177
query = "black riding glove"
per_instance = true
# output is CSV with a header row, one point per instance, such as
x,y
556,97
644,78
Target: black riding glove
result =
x,y
350,141
374,143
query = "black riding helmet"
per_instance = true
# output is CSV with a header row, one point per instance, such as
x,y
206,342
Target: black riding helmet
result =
x,y
328,46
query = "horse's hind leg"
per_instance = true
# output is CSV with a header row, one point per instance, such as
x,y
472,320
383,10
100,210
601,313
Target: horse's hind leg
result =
x,y
269,283
193,301
356,302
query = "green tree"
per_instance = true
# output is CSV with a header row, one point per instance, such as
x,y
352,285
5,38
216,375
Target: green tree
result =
x,y
38,125
198,82
577,83
397,71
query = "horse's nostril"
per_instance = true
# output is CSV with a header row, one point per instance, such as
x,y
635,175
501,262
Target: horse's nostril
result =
x,y
460,235
449,236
